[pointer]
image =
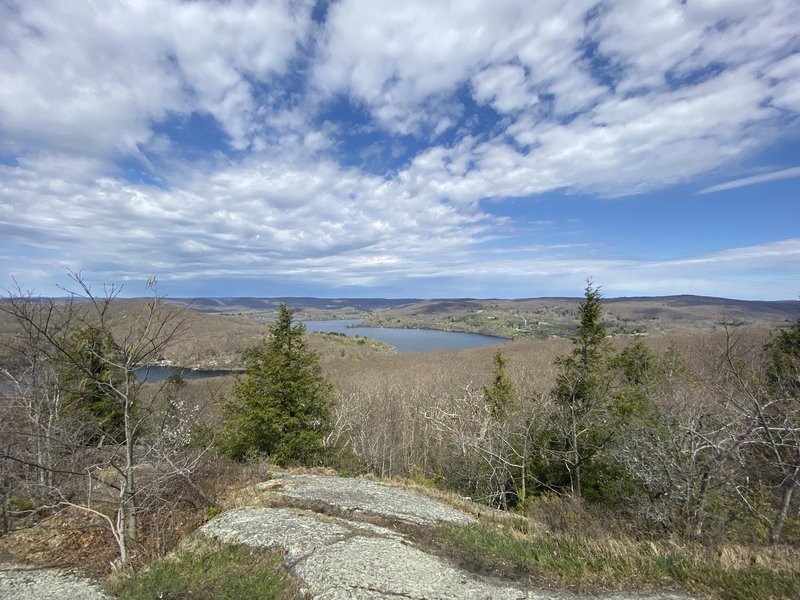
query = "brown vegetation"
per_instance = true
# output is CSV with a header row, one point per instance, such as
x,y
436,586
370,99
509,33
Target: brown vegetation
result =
x,y
704,446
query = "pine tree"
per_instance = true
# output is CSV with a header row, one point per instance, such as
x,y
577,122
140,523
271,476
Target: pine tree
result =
x,y
582,387
90,371
500,393
783,354
282,407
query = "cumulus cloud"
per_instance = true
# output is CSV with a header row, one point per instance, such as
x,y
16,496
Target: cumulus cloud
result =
x,y
207,139
654,86
394,57
92,78
248,218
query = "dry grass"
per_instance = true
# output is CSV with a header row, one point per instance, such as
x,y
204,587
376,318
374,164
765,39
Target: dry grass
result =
x,y
572,561
69,539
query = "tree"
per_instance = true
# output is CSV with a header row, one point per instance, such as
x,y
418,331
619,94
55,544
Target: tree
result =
x,y
583,388
783,353
746,439
33,412
83,353
668,445
779,417
88,378
501,392
282,407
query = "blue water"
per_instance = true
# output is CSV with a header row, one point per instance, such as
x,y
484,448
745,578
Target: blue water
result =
x,y
403,340
408,340
156,374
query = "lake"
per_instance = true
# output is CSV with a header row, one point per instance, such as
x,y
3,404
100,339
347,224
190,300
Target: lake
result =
x,y
403,340
147,374
156,374
408,340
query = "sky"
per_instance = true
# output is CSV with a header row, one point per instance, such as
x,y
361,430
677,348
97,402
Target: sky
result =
x,y
370,148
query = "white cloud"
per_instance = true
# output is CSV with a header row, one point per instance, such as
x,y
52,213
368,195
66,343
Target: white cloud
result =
x,y
250,218
90,78
753,180
395,57
784,76
514,54
754,272
612,99
503,87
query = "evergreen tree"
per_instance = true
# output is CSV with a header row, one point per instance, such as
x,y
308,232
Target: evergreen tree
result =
x,y
90,373
583,388
783,366
282,407
638,373
500,393
499,437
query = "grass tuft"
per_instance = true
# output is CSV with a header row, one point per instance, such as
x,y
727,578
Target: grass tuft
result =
x,y
206,570
614,563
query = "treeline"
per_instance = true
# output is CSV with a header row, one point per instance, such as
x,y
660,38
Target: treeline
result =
x,y
697,442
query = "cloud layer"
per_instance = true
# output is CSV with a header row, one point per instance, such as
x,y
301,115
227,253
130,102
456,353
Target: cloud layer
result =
x,y
369,145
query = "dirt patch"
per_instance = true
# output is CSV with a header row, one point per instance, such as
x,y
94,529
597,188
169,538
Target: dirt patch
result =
x,y
65,541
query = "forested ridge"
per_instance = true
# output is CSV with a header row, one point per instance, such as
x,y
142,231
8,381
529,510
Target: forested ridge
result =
x,y
683,439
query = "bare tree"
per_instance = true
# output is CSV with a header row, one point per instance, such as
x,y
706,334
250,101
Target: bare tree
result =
x,y
761,385
727,428
47,350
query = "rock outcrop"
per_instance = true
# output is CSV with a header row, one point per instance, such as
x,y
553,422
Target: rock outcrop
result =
x,y
352,551
21,583
343,538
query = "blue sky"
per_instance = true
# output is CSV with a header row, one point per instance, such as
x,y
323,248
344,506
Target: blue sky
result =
x,y
404,149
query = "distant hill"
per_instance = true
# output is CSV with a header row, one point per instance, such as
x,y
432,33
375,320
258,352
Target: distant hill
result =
x,y
547,317
757,310
535,317
219,329
217,304
244,304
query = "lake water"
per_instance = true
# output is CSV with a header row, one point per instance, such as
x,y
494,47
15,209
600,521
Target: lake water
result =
x,y
408,340
403,340
147,374
156,374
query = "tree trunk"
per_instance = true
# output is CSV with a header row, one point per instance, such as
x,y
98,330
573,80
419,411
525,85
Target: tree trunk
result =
x,y
130,504
699,521
119,531
52,421
789,486
129,485
576,457
5,505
